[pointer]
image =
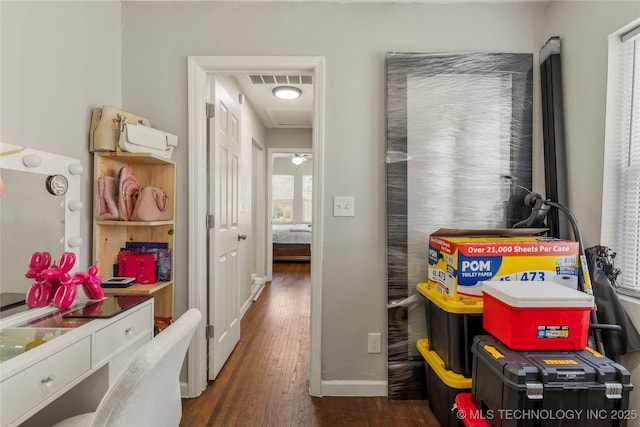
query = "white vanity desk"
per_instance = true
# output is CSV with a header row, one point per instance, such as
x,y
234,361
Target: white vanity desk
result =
x,y
70,372
51,366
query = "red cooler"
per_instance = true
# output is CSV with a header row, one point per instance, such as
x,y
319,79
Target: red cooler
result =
x,y
536,315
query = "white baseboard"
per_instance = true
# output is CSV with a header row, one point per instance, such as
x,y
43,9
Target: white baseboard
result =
x,y
258,292
335,388
245,306
354,388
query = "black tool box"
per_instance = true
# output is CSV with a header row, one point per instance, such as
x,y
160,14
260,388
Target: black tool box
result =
x,y
548,387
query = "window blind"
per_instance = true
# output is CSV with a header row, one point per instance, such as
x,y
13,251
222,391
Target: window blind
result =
x,y
621,198
283,195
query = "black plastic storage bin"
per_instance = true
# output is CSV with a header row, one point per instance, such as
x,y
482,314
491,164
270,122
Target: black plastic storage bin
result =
x,y
451,325
548,387
442,386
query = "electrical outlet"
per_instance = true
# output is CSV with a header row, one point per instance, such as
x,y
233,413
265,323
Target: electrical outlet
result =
x,y
374,342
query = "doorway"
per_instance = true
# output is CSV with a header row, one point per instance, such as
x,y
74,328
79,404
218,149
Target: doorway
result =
x,y
199,68
289,179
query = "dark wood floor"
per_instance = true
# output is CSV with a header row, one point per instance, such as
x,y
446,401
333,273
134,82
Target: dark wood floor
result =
x,y
264,382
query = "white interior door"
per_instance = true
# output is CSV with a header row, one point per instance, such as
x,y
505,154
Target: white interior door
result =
x,y
224,236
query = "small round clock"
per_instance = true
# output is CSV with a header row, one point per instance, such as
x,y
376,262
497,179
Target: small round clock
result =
x,y
57,185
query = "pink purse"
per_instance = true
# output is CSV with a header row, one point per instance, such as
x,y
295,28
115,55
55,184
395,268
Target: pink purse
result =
x,y
152,205
107,199
128,192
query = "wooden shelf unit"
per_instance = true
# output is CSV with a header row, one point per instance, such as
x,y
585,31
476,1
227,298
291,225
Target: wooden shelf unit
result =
x,y
110,236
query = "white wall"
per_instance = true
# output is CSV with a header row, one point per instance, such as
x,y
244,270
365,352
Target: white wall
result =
x,y
289,138
583,28
354,38
58,61
254,133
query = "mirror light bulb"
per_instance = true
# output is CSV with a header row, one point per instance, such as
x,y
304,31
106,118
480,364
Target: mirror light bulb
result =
x,y
75,241
76,205
76,169
31,160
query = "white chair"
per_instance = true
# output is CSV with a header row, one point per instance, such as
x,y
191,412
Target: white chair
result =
x,y
147,391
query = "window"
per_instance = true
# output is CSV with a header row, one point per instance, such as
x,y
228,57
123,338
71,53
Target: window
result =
x,y
621,180
282,186
306,198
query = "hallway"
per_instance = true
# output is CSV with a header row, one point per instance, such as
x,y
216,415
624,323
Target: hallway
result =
x,y
264,382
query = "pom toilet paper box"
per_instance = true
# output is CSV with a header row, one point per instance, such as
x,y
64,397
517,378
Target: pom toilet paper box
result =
x,y
459,260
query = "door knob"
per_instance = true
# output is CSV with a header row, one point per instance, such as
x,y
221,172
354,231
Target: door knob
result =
x,y
242,237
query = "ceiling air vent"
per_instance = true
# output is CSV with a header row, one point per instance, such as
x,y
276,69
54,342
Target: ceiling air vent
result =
x,y
280,79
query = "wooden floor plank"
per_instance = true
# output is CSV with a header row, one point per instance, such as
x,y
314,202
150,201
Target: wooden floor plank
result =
x,y
264,382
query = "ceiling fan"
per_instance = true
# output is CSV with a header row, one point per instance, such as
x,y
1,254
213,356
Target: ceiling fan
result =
x,y
299,159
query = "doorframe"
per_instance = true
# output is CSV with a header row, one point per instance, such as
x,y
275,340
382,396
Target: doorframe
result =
x,y
270,153
258,228
198,69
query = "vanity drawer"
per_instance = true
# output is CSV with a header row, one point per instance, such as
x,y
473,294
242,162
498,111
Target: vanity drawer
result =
x,y
111,339
27,389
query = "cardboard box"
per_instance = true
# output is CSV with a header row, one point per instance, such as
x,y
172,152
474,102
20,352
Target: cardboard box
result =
x,y
537,316
460,259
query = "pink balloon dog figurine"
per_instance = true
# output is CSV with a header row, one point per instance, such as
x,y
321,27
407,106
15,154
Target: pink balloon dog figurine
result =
x,y
41,291
56,284
91,285
58,275
91,282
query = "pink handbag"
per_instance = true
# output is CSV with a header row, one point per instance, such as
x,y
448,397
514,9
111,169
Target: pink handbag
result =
x,y
152,205
128,192
107,199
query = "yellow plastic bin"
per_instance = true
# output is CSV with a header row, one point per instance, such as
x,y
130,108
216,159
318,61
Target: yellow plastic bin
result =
x,y
443,386
452,323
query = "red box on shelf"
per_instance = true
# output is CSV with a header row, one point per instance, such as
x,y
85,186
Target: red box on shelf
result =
x,y
536,315
142,267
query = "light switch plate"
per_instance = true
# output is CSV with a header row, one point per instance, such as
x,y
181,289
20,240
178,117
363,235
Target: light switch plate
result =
x,y
343,206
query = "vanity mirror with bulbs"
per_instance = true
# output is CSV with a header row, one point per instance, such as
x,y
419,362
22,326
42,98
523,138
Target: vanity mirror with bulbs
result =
x,y
40,210
54,362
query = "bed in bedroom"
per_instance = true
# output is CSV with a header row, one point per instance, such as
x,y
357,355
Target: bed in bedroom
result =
x,y
291,242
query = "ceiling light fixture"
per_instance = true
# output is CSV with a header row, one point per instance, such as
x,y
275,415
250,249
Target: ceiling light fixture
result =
x,y
287,92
